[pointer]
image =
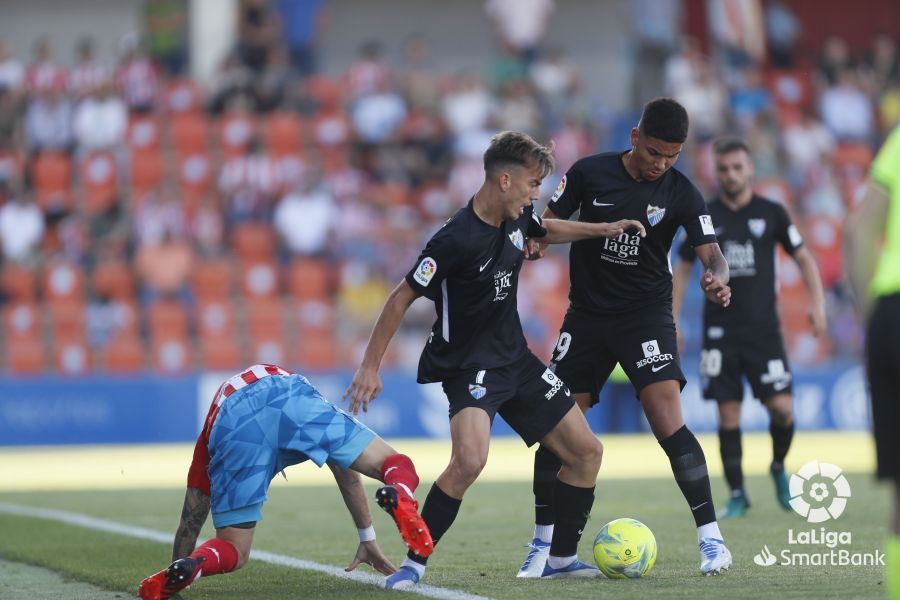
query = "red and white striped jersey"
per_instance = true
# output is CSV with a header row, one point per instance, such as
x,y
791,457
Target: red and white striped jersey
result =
x,y
138,82
44,76
86,77
198,475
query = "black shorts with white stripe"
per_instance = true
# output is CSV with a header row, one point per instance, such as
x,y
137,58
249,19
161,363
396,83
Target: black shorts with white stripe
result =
x,y
530,397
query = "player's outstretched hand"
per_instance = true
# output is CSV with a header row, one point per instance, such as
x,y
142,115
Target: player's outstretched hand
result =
x,y
715,290
534,250
614,230
370,553
363,389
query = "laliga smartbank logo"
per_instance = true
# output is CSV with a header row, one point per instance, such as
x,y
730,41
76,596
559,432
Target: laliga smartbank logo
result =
x,y
819,493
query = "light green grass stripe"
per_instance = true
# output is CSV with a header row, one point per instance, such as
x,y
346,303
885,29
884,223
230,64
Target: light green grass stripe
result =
x,y
88,522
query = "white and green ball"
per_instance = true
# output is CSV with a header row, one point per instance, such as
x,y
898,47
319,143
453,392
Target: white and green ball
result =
x,y
625,548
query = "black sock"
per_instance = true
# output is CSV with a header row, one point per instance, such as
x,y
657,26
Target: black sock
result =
x,y
438,512
732,452
546,467
781,443
689,466
573,507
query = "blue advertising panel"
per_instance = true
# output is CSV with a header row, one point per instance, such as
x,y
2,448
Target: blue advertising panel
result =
x,y
98,410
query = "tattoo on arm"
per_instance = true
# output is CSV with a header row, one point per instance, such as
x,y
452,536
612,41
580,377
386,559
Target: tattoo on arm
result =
x,y
193,516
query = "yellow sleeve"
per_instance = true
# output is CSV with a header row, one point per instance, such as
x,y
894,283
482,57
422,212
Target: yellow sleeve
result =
x,y
885,168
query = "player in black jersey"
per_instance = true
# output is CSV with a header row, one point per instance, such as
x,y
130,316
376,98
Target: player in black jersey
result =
x,y
470,269
745,340
621,306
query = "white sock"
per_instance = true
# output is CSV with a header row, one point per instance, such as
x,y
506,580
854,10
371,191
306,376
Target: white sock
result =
x,y
559,562
544,533
709,530
417,567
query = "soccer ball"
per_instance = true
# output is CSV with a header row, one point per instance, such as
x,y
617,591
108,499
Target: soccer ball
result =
x,y
625,548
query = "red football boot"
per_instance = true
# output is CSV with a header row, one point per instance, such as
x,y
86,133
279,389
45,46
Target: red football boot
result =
x,y
405,511
171,580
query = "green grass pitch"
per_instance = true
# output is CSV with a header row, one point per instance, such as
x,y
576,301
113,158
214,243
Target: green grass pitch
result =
x,y
480,555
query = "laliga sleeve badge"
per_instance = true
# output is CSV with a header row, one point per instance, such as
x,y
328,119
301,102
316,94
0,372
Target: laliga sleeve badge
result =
x,y
559,190
425,271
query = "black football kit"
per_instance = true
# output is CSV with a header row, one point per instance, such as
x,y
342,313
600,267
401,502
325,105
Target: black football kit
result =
x,y
477,349
621,289
745,339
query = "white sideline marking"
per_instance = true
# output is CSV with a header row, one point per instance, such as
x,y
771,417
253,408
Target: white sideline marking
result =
x,y
88,522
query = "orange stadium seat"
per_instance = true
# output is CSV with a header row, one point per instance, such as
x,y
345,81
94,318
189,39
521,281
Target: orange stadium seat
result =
x,y
51,175
309,278
71,355
167,319
268,350
99,180
18,282
221,353
147,171
323,89
21,321
791,89
331,130
194,176
253,241
124,353
236,132
144,134
216,318
67,319
113,279
314,315
212,279
315,350
259,278
189,132
265,318
63,281
172,354
283,133
182,95
28,358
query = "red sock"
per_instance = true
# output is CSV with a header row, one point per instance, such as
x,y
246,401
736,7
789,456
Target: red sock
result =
x,y
399,469
220,555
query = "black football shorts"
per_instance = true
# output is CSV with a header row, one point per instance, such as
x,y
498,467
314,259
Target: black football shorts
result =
x,y
883,366
643,341
528,395
757,355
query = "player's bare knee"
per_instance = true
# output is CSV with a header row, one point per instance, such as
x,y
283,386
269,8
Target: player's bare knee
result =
x,y
467,467
781,417
729,415
781,410
594,456
585,456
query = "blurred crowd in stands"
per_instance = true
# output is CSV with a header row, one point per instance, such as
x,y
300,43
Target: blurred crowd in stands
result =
x,y
149,222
